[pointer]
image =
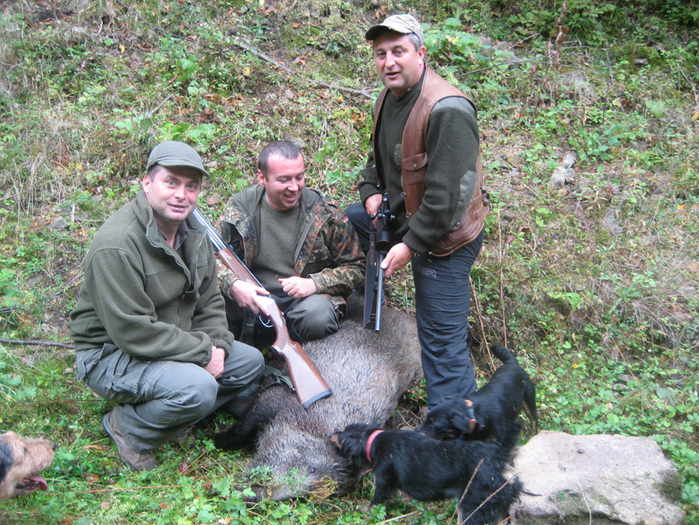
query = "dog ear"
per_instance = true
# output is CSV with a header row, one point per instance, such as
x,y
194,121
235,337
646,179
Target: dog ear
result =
x,y
353,446
462,423
5,466
466,420
335,440
7,459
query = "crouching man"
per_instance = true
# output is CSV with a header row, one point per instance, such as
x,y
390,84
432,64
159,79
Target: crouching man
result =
x,y
149,327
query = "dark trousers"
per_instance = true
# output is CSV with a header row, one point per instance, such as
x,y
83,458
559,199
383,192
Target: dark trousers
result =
x,y
442,301
309,318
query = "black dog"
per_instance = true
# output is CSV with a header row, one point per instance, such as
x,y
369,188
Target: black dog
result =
x,y
490,412
428,469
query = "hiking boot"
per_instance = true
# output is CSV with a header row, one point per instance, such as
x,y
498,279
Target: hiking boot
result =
x,y
132,459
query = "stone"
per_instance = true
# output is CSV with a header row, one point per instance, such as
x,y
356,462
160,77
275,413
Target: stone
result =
x,y
596,479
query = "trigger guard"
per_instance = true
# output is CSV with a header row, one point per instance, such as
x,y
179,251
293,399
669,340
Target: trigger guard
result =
x,y
265,321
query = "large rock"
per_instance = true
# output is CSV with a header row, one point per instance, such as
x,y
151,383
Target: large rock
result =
x,y
597,479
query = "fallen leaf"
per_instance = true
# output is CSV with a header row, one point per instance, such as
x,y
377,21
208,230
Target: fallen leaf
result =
x,y
94,447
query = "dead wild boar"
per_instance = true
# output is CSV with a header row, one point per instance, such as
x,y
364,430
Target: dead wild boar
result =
x,y
367,371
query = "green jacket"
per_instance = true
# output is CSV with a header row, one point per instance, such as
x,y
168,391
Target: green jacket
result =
x,y
327,247
141,296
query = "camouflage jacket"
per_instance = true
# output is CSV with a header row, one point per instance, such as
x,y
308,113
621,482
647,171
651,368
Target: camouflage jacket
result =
x,y
327,247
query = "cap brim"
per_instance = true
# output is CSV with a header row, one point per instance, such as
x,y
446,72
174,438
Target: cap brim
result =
x,y
174,163
374,32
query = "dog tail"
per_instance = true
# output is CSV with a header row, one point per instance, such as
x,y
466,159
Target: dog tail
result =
x,y
503,354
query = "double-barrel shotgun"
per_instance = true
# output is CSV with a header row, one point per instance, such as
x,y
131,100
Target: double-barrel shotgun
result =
x,y
309,385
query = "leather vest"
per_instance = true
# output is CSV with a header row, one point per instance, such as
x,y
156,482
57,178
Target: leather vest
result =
x,y
414,160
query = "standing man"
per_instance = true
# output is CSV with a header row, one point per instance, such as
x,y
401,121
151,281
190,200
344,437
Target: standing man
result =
x,y
296,242
150,327
426,158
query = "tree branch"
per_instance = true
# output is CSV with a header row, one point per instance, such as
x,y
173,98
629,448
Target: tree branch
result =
x,y
269,59
35,342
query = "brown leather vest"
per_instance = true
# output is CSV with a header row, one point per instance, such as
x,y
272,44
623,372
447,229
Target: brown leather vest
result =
x,y
414,165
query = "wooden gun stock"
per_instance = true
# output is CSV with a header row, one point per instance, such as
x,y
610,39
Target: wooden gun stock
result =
x,y
308,383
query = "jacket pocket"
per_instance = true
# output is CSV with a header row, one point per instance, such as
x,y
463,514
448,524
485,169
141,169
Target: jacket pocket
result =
x,y
413,170
118,374
85,361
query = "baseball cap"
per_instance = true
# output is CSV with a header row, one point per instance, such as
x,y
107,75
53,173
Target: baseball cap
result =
x,y
405,24
172,153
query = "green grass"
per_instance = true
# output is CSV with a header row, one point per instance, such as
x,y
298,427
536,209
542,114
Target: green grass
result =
x,y
594,285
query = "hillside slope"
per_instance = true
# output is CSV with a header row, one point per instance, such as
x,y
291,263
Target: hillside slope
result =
x,y
590,268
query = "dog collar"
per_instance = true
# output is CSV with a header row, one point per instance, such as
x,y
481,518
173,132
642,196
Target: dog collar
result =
x,y
471,414
369,442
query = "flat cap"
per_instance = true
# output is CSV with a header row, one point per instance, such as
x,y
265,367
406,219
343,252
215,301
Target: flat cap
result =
x,y
405,24
171,153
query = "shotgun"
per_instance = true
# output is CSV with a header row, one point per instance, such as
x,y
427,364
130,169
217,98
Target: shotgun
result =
x,y
309,385
379,244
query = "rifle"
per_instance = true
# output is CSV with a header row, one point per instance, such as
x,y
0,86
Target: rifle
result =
x,y
379,244
309,385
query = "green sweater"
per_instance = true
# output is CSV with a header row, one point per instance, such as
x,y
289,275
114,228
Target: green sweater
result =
x,y
141,296
452,147
327,247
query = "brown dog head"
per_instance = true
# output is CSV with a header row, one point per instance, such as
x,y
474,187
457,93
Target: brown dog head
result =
x,y
21,462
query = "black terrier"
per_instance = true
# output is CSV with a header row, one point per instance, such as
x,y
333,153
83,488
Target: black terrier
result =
x,y
490,412
428,469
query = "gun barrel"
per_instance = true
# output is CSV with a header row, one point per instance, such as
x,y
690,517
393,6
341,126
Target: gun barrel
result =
x,y
221,247
379,292
213,235
379,245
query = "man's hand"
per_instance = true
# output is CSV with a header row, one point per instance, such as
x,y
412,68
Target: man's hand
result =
x,y
372,205
215,366
298,287
245,294
397,257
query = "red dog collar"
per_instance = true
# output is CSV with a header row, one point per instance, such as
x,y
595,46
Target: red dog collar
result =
x,y
369,442
471,414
